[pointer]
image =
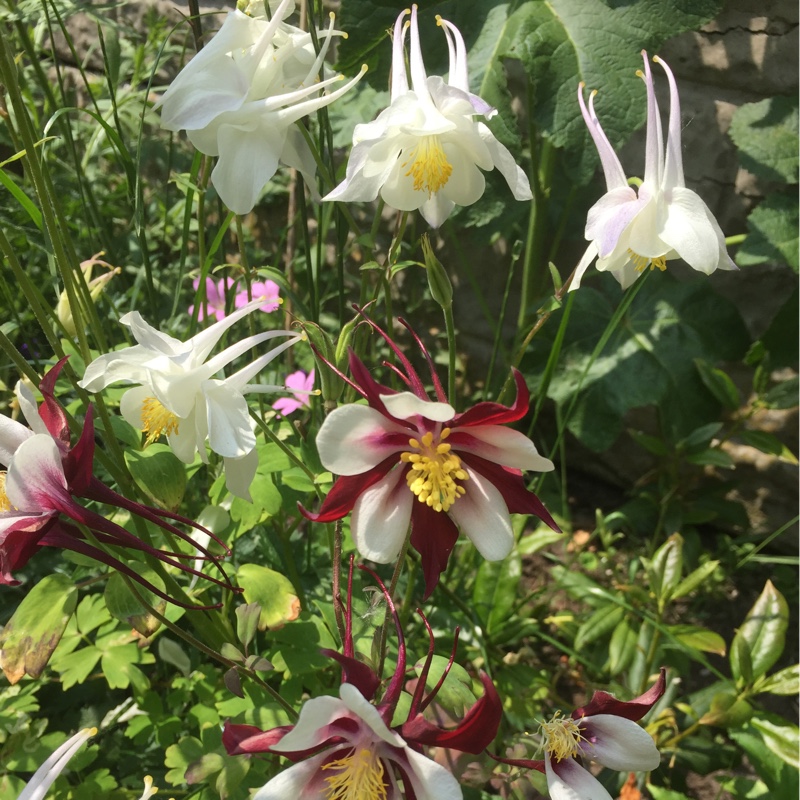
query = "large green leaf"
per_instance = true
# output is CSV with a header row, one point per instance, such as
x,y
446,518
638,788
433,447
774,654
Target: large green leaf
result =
x,y
772,232
33,632
764,629
272,591
496,590
648,359
766,135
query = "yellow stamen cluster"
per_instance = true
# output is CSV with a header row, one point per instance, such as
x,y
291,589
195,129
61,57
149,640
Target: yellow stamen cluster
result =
x,y
429,165
359,776
641,262
434,471
5,503
157,420
562,737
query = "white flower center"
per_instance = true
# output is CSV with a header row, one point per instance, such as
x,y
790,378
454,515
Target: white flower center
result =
x,y
641,262
562,737
434,471
429,165
359,776
157,420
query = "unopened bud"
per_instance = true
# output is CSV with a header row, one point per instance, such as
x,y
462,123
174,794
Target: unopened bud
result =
x,y
95,286
331,384
441,288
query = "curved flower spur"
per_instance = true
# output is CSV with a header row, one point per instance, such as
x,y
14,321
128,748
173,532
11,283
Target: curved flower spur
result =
x,y
43,476
606,731
347,748
463,469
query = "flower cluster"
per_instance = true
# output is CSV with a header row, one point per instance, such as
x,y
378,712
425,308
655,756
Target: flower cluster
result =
x,y
241,96
426,150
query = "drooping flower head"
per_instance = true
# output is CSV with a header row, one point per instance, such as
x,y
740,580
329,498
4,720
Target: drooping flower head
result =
x,y
404,458
44,475
348,748
604,731
179,396
302,386
427,149
240,97
630,230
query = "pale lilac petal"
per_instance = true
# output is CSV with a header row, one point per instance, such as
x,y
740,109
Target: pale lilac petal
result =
x,y
399,77
609,217
612,169
673,165
654,147
500,444
381,517
570,781
482,514
405,405
367,713
356,438
619,744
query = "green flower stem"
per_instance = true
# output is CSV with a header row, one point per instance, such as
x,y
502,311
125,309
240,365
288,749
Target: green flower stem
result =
x,y
450,325
398,568
338,537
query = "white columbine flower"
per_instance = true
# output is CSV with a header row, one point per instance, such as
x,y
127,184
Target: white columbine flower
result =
x,y
240,97
179,396
630,231
426,150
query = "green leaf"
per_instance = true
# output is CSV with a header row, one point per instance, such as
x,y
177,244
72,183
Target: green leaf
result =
x,y
179,756
496,590
622,647
719,384
159,474
782,738
767,443
31,635
772,232
539,539
665,568
76,667
773,770
728,710
784,395
456,695
764,629
713,457
599,624
699,638
766,134
654,445
122,604
784,682
660,793
272,591
695,579
741,660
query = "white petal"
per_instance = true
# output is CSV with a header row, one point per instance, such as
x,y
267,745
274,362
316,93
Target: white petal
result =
x,y
35,480
292,782
43,778
130,406
643,232
690,229
483,516
621,744
430,780
127,364
516,179
187,440
502,445
583,265
311,726
151,338
573,782
405,405
609,217
352,439
436,209
239,474
230,428
367,712
381,517
12,435
29,408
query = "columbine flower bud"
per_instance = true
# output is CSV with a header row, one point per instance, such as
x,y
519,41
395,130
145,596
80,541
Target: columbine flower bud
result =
x,y
439,282
96,286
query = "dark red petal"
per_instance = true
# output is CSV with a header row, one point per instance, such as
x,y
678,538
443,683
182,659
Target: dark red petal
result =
x,y
346,489
356,672
433,536
473,734
371,388
79,462
241,739
51,412
525,763
20,541
510,484
495,413
605,703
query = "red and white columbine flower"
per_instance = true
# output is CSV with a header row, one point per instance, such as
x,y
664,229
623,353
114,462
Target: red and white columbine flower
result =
x,y
606,731
346,748
44,476
404,458
631,230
